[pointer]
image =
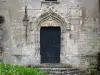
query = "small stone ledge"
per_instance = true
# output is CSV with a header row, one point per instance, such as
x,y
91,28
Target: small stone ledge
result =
x,y
80,55
54,2
19,55
89,55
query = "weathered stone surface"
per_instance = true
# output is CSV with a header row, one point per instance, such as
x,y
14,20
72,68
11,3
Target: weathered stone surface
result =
x,y
79,22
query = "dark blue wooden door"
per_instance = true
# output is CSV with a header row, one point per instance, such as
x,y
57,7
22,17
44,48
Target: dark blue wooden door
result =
x,y
50,44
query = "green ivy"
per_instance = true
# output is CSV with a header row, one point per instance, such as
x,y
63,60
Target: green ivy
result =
x,y
7,69
95,73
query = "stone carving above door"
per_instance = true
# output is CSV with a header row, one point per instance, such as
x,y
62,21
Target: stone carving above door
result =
x,y
50,23
49,16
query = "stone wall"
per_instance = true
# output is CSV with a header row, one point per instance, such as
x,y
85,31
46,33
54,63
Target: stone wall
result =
x,y
80,38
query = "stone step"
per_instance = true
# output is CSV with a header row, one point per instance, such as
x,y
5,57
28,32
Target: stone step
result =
x,y
51,66
59,69
60,72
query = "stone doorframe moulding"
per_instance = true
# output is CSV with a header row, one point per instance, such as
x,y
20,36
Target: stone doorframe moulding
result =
x,y
52,19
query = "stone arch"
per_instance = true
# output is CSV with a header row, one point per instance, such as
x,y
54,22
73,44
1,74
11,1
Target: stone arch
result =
x,y
50,15
51,18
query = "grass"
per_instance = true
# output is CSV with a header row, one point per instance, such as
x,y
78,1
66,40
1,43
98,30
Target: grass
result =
x,y
7,69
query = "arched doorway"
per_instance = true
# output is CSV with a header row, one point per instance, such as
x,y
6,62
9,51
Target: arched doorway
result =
x,y
52,20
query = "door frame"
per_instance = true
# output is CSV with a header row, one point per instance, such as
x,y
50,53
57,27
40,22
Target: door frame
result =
x,y
49,18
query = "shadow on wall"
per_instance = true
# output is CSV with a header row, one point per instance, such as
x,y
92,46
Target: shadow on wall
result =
x,y
2,20
98,66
